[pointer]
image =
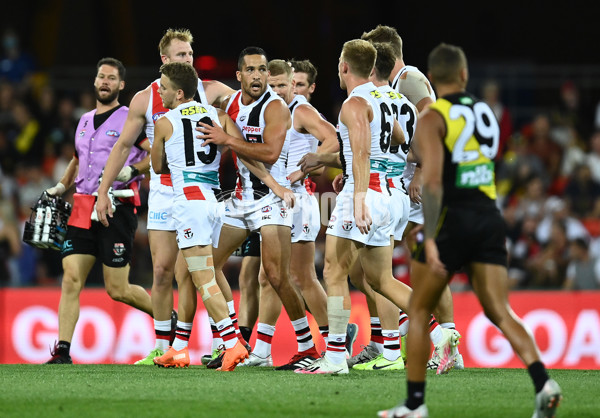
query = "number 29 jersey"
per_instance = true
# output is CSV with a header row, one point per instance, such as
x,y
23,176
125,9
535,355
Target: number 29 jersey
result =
x,y
470,146
194,169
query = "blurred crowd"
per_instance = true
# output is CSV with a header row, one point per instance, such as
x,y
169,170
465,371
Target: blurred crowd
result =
x,y
548,178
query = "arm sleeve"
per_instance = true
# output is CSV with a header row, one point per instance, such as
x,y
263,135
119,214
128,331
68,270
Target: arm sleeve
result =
x,y
415,87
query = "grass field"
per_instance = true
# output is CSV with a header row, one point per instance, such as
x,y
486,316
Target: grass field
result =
x,y
146,391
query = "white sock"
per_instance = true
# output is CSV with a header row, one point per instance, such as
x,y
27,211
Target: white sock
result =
x,y
164,329
264,336
303,335
182,335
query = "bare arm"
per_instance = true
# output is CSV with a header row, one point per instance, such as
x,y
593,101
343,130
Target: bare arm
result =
x,y
217,93
256,167
277,122
162,132
398,137
430,131
356,114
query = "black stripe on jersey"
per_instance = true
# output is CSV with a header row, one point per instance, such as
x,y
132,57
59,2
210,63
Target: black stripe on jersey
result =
x,y
293,106
260,189
342,159
197,97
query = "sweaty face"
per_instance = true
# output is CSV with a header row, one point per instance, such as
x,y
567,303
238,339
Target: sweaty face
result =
x,y
107,84
302,85
167,92
179,51
253,75
282,86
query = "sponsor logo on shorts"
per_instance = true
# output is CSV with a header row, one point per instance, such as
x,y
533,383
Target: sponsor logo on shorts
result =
x,y
67,246
119,248
266,209
82,133
266,217
187,233
118,260
283,212
346,225
112,132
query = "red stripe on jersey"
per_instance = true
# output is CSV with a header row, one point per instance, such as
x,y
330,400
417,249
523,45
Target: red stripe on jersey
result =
x,y
374,183
165,180
234,107
157,104
391,184
238,183
193,193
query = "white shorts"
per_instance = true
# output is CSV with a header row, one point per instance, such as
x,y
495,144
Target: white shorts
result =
x,y
342,224
254,214
197,222
160,207
400,207
416,213
306,218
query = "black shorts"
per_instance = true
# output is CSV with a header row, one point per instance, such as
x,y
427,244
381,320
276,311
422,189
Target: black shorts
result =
x,y
469,235
251,247
112,245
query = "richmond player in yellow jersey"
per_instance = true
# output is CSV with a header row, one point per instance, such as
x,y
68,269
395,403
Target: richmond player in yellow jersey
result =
x,y
457,139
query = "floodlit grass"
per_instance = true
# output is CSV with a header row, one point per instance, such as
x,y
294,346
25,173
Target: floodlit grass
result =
x,y
147,391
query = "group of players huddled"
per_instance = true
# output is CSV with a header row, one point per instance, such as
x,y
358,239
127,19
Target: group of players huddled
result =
x,y
416,171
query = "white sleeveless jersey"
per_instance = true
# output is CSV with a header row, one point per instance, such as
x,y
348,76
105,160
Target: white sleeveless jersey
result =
x,y
155,111
194,169
409,172
299,144
381,133
406,114
251,121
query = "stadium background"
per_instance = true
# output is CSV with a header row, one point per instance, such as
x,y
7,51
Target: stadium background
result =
x,y
532,50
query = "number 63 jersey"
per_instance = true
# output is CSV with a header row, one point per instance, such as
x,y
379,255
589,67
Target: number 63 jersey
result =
x,y
194,169
470,147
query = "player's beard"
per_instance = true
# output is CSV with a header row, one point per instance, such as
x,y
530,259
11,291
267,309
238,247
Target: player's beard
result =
x,y
106,99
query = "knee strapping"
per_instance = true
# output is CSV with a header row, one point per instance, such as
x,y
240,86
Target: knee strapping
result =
x,y
338,316
203,263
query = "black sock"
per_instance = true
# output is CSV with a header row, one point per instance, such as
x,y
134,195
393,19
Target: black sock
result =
x,y
416,394
63,348
246,333
538,374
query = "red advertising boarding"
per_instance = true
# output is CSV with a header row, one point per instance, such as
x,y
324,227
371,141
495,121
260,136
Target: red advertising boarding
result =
x,y
566,326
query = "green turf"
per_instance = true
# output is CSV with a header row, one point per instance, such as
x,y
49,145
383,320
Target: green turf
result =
x,y
135,391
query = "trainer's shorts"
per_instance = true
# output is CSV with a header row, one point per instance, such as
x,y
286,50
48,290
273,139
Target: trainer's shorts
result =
x,y
306,218
342,224
467,235
160,207
254,214
400,208
197,222
112,245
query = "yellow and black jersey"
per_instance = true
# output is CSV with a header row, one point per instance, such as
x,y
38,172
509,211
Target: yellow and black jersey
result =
x,y
470,146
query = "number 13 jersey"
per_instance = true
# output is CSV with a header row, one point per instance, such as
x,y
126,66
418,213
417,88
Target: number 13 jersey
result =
x,y
194,169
